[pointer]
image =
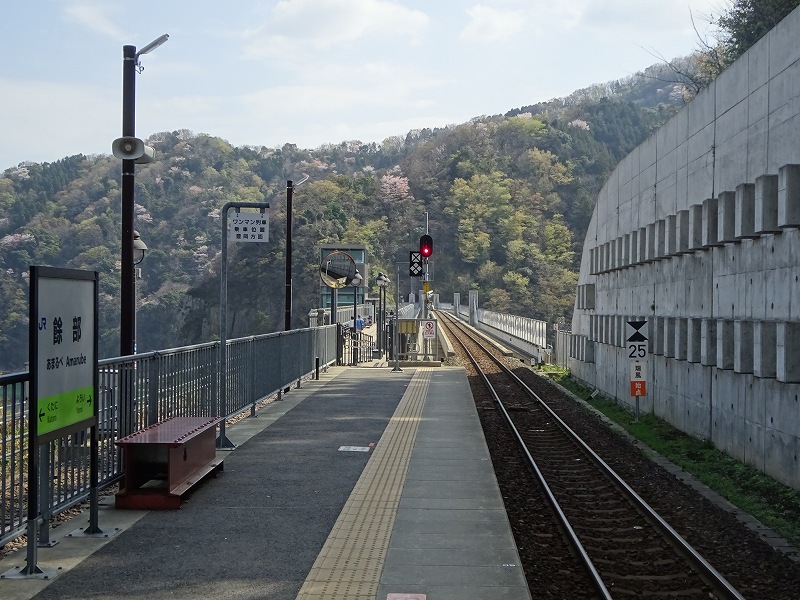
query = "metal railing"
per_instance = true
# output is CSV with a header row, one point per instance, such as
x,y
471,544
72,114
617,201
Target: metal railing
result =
x,y
529,335
532,331
135,392
413,345
357,346
344,314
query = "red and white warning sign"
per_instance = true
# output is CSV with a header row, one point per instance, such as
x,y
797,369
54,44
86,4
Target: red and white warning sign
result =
x,y
429,329
638,388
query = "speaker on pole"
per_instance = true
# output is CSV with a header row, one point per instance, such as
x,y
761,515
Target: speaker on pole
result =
x,y
132,148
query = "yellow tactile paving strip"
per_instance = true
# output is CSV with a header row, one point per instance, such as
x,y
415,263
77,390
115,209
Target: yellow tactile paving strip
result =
x,y
350,563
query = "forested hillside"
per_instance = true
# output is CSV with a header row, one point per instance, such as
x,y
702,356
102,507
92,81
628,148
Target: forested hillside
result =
x,y
508,199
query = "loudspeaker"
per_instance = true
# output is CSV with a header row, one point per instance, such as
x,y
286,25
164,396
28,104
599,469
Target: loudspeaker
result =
x,y
127,148
132,148
148,156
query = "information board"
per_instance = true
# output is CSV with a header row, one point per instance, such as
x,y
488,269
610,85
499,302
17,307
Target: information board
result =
x,y
249,227
63,359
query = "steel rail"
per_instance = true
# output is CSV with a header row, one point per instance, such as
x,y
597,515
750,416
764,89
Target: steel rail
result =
x,y
707,572
572,537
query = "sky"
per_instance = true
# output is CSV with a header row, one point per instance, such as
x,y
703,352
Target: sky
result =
x,y
311,72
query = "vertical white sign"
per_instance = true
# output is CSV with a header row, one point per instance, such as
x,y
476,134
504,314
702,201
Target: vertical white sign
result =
x,y
65,360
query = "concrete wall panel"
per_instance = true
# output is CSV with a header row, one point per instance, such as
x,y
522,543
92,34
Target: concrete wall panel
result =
x,y
779,448
708,209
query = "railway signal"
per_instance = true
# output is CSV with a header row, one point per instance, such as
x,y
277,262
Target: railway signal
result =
x,y
415,264
426,246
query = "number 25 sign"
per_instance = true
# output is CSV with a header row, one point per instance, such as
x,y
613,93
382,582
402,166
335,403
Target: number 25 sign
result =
x,y
637,340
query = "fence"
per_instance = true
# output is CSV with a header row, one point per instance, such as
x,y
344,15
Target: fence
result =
x,y
530,335
135,392
344,314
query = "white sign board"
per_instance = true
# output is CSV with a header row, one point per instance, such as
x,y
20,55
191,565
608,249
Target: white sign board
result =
x,y
249,227
638,370
428,329
64,309
636,343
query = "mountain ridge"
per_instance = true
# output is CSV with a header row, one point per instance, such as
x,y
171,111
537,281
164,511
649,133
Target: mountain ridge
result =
x,y
508,196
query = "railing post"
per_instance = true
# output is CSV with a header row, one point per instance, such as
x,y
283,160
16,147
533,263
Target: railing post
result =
x,y
45,495
215,378
339,346
154,372
316,368
251,383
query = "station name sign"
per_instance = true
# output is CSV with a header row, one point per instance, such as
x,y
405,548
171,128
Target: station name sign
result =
x,y
63,350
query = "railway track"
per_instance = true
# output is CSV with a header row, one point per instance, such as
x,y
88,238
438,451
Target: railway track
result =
x,y
602,539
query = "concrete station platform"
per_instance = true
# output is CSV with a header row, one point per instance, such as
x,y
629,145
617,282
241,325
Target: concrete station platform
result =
x,y
366,485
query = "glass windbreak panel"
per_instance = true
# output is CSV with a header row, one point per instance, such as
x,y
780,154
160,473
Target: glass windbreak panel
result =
x,y
358,255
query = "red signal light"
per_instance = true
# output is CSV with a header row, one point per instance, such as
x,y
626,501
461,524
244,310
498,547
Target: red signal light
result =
x,y
426,246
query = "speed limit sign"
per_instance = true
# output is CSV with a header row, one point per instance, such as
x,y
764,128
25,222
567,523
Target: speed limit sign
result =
x,y
429,329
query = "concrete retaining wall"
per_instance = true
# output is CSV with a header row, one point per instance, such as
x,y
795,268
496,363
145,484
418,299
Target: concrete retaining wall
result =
x,y
696,231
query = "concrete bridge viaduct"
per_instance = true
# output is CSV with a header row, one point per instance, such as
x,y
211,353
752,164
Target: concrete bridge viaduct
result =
x,y
697,232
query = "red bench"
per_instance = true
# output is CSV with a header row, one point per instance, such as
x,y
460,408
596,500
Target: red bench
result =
x,y
163,461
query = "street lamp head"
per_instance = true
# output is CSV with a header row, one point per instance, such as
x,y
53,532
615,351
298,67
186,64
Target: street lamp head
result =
x,y
153,45
303,180
148,48
139,245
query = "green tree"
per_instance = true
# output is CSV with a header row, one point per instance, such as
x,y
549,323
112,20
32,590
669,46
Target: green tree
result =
x,y
738,27
747,21
557,243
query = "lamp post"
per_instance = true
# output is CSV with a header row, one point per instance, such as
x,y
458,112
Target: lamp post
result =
x,y
355,283
287,320
395,337
130,151
383,281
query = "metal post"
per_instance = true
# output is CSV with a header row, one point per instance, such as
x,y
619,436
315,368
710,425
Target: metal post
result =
x,y
287,322
395,347
383,322
222,440
355,330
288,302
45,485
127,315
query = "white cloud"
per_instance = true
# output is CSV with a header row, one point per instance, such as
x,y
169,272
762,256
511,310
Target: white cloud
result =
x,y
297,24
359,88
489,25
631,14
95,18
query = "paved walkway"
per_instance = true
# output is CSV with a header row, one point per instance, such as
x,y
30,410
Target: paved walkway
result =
x,y
366,484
